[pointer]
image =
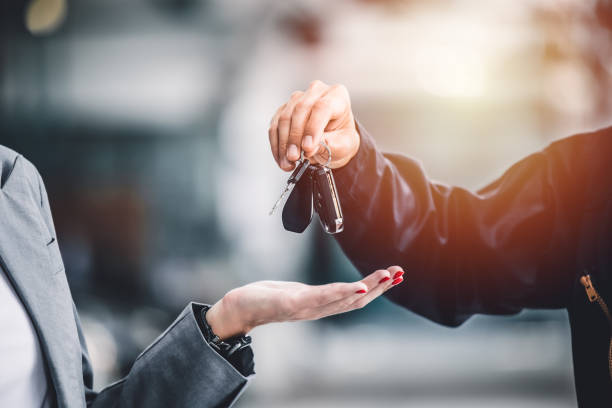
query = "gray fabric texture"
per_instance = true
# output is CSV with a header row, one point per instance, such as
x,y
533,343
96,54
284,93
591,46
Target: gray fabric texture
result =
x,y
179,369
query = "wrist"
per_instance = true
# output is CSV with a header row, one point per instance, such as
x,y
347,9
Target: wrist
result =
x,y
225,320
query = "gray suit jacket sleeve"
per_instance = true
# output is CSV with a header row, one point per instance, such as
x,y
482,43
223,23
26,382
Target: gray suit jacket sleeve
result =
x,y
179,369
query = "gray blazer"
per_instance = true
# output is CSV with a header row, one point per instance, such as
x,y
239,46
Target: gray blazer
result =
x,y
179,369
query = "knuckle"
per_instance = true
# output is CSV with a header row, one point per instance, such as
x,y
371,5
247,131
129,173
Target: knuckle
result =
x,y
322,104
295,134
296,94
284,118
316,83
310,128
301,107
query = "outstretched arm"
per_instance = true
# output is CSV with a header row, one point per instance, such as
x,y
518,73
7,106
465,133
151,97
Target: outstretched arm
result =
x,y
513,244
519,242
181,369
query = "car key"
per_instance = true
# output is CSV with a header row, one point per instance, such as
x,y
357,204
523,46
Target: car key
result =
x,y
298,209
297,174
326,200
312,187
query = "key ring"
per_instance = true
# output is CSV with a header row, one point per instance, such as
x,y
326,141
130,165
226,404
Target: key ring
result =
x,y
329,156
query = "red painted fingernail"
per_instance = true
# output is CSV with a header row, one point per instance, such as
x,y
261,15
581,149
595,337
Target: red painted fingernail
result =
x,y
398,274
396,281
361,291
386,278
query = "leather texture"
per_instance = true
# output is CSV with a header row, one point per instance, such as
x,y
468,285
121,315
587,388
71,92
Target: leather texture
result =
x,y
523,241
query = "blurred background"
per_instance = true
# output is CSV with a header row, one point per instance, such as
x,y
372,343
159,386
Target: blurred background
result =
x,y
148,121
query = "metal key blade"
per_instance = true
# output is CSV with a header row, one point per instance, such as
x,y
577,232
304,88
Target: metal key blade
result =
x,y
297,174
286,191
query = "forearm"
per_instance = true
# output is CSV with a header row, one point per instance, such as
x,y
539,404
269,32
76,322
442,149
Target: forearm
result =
x,y
464,253
179,369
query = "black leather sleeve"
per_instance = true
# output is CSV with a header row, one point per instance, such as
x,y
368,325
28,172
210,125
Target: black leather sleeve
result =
x,y
513,244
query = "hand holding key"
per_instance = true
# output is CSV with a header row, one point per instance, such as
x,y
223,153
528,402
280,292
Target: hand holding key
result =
x,y
321,113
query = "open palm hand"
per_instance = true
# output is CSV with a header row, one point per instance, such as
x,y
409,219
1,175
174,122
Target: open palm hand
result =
x,y
263,302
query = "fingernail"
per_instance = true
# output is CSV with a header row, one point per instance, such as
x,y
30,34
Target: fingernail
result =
x,y
386,278
398,274
361,291
292,152
396,281
307,143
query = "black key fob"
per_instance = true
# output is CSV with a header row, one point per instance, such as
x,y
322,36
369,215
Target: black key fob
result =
x,y
297,212
326,199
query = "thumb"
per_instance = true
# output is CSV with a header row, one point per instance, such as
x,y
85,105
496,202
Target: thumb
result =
x,y
340,143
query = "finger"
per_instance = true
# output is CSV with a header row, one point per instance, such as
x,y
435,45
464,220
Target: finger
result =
x,y
284,124
376,278
373,281
324,110
273,133
396,272
301,113
384,284
382,281
334,308
320,296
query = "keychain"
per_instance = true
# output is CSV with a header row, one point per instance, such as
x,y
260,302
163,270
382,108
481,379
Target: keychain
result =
x,y
312,187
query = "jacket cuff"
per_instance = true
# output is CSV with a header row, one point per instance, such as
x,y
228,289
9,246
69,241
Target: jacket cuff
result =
x,y
242,360
181,369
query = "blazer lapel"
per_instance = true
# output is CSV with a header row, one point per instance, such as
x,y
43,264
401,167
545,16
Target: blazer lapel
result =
x,y
45,293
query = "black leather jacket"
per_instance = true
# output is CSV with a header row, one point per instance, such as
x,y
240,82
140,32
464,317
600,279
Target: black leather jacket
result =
x,y
523,241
